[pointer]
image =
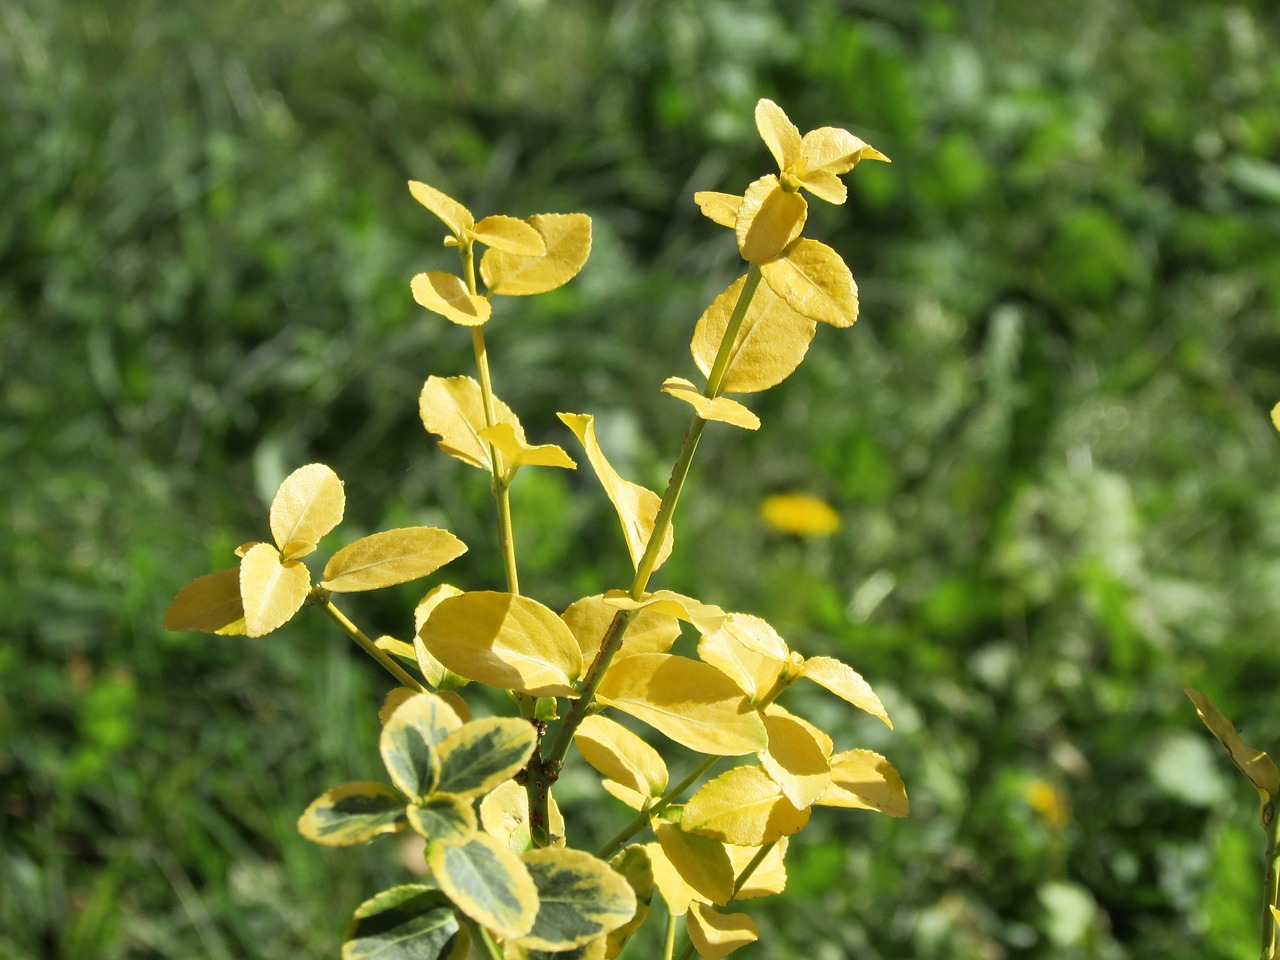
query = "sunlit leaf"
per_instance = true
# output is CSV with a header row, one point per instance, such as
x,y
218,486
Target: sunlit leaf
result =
x,y
393,701
505,641
632,798
676,893
743,806
453,408
211,604
694,704
390,557
1259,768
353,813
768,878
455,216
410,922
447,295
832,150
622,756
864,780
814,282
637,506
769,219
432,669
484,753
846,683
702,862
567,237
651,631
510,236
272,591
721,208
397,648
409,740
580,898
754,673
1275,416
795,760
487,882
721,409
517,452
770,344
715,934
307,505
443,818
635,867
779,133
296,550
707,617
505,816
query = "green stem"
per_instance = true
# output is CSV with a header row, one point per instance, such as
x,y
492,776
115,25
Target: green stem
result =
x,y
641,820
1271,879
721,365
480,936
669,944
367,645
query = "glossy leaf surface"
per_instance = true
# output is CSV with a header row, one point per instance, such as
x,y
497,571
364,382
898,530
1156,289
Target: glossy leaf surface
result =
x,y
770,344
445,294
620,755
453,408
715,934
409,740
814,282
846,683
443,818
743,806
308,504
651,631
721,409
272,591
410,922
580,898
702,862
487,882
864,780
484,753
390,557
353,813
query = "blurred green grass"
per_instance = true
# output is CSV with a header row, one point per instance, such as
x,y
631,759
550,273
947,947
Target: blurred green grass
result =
x,y
1047,436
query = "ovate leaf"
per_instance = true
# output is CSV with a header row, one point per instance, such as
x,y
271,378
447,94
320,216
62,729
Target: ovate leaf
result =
x,y
453,408
770,344
272,591
447,295
864,780
768,878
505,641
715,934
676,893
721,409
706,617
814,282
567,238
846,683
517,452
721,208
409,740
795,759
779,133
505,816
768,220
432,669
483,753
353,813
443,818
694,704
635,867
621,756
1259,768
510,236
411,922
580,898
637,506
455,216
487,882
390,557
308,504
211,604
832,150
754,673
393,701
743,806
701,862
651,631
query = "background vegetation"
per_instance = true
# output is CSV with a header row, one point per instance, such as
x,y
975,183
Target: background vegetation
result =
x,y
1047,437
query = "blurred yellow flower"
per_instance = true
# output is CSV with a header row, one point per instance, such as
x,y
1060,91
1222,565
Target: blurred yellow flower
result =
x,y
1048,803
799,513
1275,415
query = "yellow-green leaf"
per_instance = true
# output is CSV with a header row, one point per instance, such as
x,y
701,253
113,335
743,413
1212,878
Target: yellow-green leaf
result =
x,y
769,219
390,557
443,818
694,704
721,208
393,701
505,641
484,753
864,780
754,673
621,756
487,882
743,806
447,295
455,216
715,934
707,617
767,879
453,408
517,452
432,669
272,591
779,133
397,648
353,813
637,506
580,898
814,282
410,922
211,604
701,862
676,893
1259,768
510,236
409,740
846,683
635,867
505,816
567,237
770,344
795,760
651,631
721,409
308,504
632,798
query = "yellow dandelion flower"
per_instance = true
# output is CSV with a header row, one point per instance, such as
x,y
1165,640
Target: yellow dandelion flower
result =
x,y
1275,416
801,514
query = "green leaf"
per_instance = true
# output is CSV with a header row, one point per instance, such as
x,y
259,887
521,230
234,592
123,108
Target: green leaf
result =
x,y
484,753
409,740
353,813
580,898
487,882
272,590
411,922
443,818
212,604
1259,768
307,505
743,806
390,557
567,239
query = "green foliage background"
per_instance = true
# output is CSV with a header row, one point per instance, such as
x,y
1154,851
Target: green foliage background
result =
x,y
1047,436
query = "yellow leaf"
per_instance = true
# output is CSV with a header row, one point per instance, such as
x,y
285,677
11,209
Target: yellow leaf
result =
x,y
517,452
632,798
832,150
297,549
1275,416
394,699
770,344
758,637
721,409
447,295
510,236
815,282
864,780
308,504
769,878
799,514
637,507
707,617
390,557
769,219
795,759
779,134
453,408
621,756
211,604
455,216
505,641
754,673
272,591
676,893
651,631
456,704
432,669
824,185
715,934
743,806
721,208
1259,768
504,814
397,648
567,237
635,867
694,704
820,736
701,862
846,683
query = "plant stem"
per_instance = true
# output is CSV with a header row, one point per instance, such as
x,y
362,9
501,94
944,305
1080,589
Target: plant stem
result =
x,y
738,884
479,935
641,820
669,944
1271,879
369,647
